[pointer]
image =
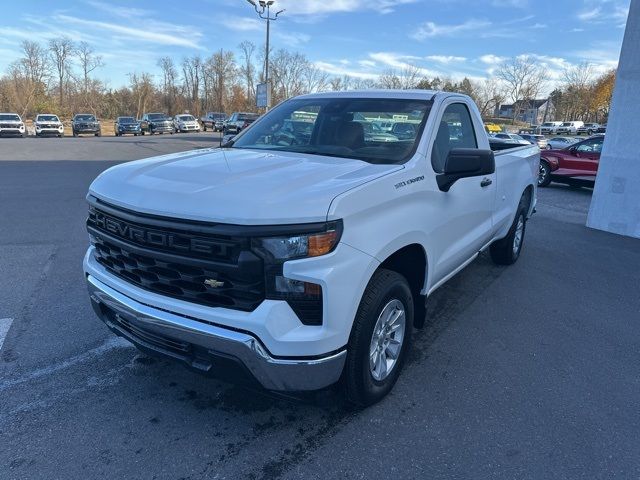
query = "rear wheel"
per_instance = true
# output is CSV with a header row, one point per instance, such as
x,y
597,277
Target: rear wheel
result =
x,y
507,251
380,338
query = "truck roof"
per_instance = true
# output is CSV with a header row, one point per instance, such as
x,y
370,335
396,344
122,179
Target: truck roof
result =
x,y
378,93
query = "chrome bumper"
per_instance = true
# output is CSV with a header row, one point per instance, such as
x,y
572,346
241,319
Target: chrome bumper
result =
x,y
198,344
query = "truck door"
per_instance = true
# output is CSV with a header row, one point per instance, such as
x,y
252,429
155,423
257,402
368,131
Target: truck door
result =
x,y
464,214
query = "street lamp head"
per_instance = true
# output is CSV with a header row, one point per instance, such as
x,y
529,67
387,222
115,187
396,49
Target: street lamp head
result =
x,y
266,3
252,2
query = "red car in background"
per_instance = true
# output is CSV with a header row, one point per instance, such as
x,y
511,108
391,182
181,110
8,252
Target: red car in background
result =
x,y
574,165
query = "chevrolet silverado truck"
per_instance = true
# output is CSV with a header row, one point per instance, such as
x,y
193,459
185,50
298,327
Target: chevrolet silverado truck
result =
x,y
300,261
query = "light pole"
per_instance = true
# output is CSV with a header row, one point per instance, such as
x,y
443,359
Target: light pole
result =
x,y
263,9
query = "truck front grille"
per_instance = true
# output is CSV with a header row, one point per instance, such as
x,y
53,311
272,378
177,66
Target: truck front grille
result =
x,y
194,267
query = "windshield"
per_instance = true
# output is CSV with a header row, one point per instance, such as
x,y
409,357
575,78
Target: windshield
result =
x,y
340,127
157,116
47,118
10,117
566,124
126,120
186,118
85,118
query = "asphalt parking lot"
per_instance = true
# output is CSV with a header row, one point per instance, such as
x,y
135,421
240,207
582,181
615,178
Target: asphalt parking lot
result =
x,y
530,371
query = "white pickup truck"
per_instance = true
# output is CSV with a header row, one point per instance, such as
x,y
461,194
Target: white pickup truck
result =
x,y
302,252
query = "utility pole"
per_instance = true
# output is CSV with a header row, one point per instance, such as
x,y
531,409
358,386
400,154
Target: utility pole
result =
x,y
263,9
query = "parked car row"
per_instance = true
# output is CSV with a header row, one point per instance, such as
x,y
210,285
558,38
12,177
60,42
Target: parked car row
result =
x,y
150,123
571,128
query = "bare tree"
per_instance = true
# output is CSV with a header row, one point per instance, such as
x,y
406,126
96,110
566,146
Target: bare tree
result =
x,y
248,69
89,61
35,62
169,77
222,69
523,78
61,50
490,95
577,97
191,71
142,90
408,77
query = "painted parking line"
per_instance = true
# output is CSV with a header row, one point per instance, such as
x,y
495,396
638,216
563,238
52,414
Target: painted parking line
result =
x,y
5,325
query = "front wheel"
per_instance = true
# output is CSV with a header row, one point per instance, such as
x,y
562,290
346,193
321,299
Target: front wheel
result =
x,y
380,338
507,251
544,174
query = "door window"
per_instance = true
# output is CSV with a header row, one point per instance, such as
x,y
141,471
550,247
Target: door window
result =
x,y
455,131
593,145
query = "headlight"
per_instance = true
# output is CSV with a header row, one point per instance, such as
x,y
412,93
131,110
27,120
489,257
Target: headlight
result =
x,y
304,298
300,246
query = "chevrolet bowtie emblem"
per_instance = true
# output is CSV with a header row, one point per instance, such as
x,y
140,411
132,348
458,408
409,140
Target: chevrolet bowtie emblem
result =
x,y
213,283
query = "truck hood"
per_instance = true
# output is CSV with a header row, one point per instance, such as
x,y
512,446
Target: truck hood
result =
x,y
245,187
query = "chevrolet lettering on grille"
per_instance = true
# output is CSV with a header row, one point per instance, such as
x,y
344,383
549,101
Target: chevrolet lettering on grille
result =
x,y
154,238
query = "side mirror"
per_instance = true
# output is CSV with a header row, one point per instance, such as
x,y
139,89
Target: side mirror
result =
x,y
465,163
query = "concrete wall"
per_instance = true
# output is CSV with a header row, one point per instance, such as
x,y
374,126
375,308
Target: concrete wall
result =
x,y
615,206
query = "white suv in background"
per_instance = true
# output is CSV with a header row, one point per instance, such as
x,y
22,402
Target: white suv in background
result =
x,y
185,123
48,124
548,128
12,124
570,128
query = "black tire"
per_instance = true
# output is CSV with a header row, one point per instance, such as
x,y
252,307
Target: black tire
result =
x,y
544,174
361,388
75,134
504,251
98,134
204,127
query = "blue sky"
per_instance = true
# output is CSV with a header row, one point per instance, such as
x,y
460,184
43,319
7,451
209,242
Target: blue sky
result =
x,y
361,38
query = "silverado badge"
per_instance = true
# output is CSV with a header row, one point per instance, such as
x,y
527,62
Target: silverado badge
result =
x,y
213,283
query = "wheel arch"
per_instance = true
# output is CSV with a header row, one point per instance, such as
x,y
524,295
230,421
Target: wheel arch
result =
x,y
411,262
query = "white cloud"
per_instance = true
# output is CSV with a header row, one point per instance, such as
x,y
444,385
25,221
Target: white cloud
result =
x,y
446,59
589,15
323,7
341,70
400,62
367,63
162,34
491,59
605,11
239,23
432,29
121,10
293,39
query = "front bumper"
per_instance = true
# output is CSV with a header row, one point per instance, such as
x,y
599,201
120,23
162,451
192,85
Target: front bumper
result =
x,y
208,347
189,128
161,128
12,130
49,130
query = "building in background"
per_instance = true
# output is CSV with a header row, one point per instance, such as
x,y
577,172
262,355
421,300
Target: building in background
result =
x,y
533,112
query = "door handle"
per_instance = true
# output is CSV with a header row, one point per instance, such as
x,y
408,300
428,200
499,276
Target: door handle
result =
x,y
486,182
